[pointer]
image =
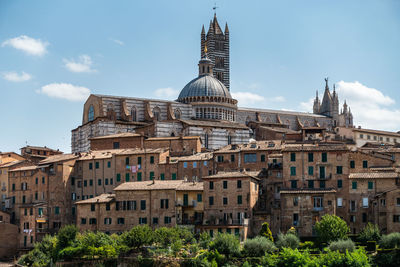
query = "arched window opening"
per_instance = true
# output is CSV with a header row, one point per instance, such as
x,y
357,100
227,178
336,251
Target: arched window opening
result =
x,y
177,113
157,113
91,113
133,114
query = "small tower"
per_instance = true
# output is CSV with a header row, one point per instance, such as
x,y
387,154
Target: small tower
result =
x,y
317,104
217,43
205,65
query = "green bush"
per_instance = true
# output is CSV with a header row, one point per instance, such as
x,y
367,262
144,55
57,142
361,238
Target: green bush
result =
x,y
166,236
331,228
289,258
138,236
258,246
390,241
287,241
226,244
204,240
357,258
266,232
66,235
387,259
370,232
342,246
307,245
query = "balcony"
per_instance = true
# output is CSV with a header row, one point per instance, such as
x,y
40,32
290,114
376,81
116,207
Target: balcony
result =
x,y
229,222
318,208
324,176
42,230
186,204
277,195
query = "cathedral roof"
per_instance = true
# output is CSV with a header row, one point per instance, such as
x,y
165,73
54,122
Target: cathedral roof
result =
x,y
205,85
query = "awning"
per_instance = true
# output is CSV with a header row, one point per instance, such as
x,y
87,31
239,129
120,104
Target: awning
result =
x,y
41,220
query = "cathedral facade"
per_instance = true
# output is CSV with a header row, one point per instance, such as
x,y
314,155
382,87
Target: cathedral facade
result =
x,y
203,108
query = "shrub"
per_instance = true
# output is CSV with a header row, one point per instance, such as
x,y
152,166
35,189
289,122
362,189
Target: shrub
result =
x,y
370,232
204,240
226,244
307,245
287,241
185,234
266,232
66,235
176,247
387,259
390,241
166,236
342,246
357,258
258,246
138,236
289,257
331,228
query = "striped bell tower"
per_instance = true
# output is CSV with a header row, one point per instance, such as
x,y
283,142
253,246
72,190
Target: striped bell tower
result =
x,y
217,43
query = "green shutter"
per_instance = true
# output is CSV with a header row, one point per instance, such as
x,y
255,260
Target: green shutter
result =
x,y
324,157
151,175
127,177
354,185
118,177
310,157
310,170
370,185
292,156
292,171
139,176
162,176
174,176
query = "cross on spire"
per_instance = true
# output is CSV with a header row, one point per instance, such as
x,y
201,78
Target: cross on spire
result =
x,y
215,7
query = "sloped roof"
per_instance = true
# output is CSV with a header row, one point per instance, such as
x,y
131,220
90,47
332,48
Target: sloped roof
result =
x,y
119,135
103,198
233,174
160,185
373,175
308,191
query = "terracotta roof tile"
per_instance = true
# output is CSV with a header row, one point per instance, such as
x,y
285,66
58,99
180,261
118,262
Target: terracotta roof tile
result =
x,y
160,185
103,198
307,191
373,175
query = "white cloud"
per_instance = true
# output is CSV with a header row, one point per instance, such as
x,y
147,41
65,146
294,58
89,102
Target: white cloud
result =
x,y
13,76
27,44
166,93
65,91
119,42
370,107
84,64
307,106
249,99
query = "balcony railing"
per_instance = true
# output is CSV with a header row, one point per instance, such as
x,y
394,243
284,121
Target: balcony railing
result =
x,y
229,222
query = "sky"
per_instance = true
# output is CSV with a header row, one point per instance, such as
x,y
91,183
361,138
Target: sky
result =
x,y
53,54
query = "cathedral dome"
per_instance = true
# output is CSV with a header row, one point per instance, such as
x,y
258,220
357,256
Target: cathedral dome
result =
x,y
204,85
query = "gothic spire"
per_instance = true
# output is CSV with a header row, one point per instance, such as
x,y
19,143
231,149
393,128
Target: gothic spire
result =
x,y
226,28
202,30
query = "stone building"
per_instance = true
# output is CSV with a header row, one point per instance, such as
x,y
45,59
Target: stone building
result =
x,y
229,199
156,203
37,153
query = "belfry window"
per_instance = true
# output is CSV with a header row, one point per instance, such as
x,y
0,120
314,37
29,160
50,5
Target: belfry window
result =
x,y
91,113
133,114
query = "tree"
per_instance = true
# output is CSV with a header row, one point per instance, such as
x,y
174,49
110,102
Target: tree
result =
x,y
370,232
66,235
331,228
226,244
266,232
138,236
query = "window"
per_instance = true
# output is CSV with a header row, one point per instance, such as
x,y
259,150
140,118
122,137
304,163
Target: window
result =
x,y
353,218
293,184
164,203
295,219
151,159
339,169
321,184
310,183
354,185
97,164
143,220
43,180
107,220
111,181
91,113
239,183
250,158
185,165
90,165
383,202
370,185
352,205
398,201
106,181
340,202
220,158
239,199
310,170
352,164
232,158
108,164
396,218
57,210
365,164
83,220
225,184
91,182
292,156
174,176
225,200
139,176
127,177
340,183
310,157
295,201
318,203
116,145
139,160
107,206
142,204
364,217
293,171
194,164
322,172
211,185
151,175
262,158
13,187
155,220
99,181
92,207
37,181
127,161
167,220
324,157
120,220
199,198
211,201
118,177
162,176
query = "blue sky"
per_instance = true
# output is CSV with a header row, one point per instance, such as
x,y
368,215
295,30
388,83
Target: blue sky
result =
x,y
53,53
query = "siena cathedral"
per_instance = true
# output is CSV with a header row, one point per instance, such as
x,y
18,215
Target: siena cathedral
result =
x,y
204,108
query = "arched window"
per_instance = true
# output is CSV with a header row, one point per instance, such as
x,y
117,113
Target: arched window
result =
x,y
91,113
177,113
206,140
157,113
133,113
229,139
